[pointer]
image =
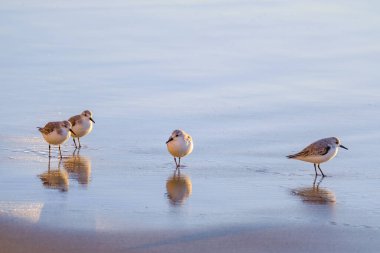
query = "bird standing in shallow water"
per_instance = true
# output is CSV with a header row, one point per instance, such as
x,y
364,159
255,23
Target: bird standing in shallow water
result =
x,y
56,133
180,144
319,152
82,125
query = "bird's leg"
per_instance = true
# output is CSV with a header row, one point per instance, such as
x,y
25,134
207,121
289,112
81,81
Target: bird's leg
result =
x,y
60,153
75,143
176,165
315,168
79,143
323,175
49,152
179,163
59,164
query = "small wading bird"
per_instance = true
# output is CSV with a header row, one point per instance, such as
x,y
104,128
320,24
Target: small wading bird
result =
x,y
82,125
56,133
180,144
319,152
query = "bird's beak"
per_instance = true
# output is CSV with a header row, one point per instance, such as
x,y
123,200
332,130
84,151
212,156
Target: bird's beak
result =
x,y
343,147
92,120
170,139
72,132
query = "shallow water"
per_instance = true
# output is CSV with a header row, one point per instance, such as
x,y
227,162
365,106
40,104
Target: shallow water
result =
x,y
251,81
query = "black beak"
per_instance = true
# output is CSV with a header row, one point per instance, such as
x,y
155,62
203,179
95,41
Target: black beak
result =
x,y
170,139
72,132
343,147
92,120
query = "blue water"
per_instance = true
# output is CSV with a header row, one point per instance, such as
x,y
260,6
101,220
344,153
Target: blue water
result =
x,y
251,81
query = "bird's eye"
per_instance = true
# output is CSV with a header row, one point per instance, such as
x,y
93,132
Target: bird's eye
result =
x,y
176,135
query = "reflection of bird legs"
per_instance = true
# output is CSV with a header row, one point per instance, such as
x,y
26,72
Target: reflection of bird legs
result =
x,y
60,153
49,163
59,164
319,182
75,160
77,152
315,179
177,173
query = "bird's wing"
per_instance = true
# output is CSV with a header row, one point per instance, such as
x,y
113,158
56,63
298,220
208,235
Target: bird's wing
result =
x,y
314,149
73,120
320,147
305,152
324,151
49,127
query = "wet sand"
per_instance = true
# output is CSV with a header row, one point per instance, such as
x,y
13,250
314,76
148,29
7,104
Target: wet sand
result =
x,y
295,238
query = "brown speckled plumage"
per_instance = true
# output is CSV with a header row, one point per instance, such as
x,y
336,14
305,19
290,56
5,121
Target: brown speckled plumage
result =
x,y
318,148
50,127
75,119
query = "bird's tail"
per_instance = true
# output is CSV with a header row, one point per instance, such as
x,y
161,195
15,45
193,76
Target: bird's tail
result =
x,y
291,156
40,129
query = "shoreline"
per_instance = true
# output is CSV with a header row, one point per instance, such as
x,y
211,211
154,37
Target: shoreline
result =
x,y
19,237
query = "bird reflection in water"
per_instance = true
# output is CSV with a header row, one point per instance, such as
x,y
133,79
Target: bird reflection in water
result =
x,y
178,188
55,178
79,167
315,194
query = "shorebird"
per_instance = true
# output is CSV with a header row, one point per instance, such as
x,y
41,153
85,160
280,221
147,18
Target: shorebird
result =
x,y
180,144
56,133
319,152
82,125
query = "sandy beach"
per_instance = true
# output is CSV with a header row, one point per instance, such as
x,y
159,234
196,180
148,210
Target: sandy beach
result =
x,y
296,238
251,81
